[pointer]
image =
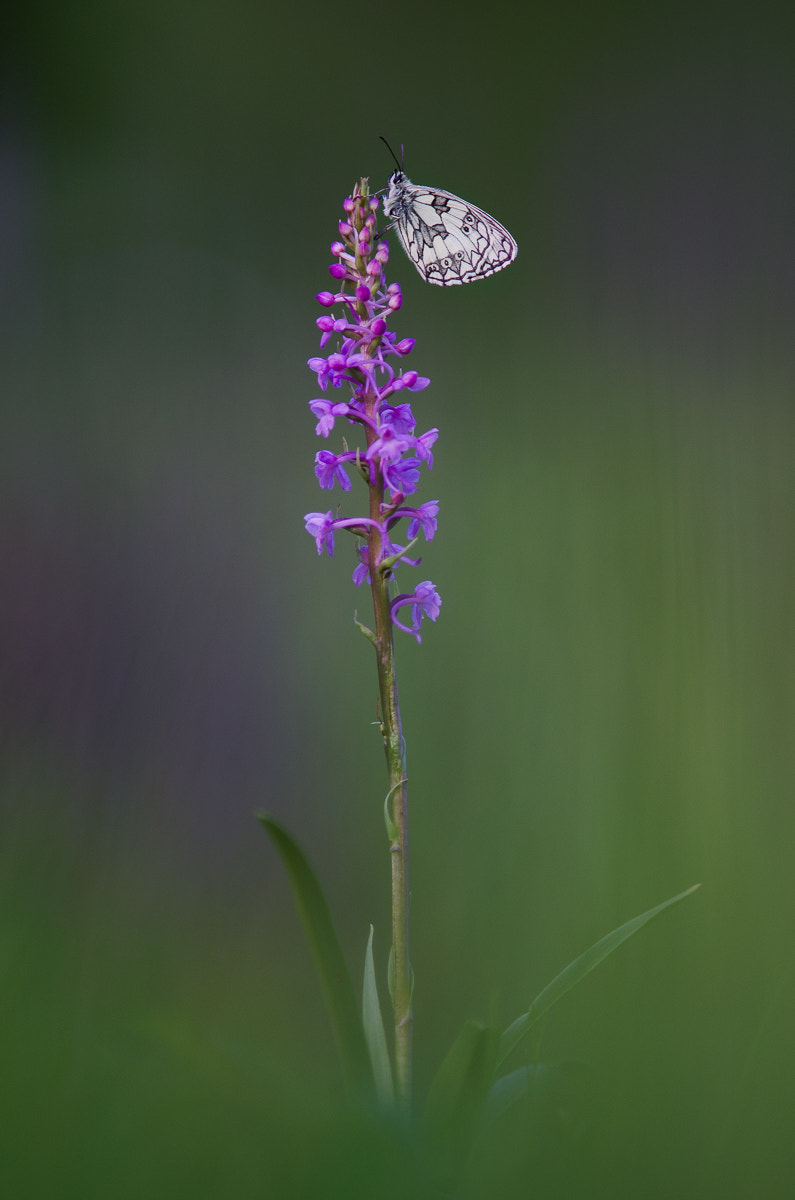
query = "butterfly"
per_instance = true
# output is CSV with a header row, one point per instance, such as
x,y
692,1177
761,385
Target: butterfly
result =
x,y
448,240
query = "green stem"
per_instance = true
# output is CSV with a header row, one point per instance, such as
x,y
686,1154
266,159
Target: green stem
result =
x,y
392,734
399,846
395,759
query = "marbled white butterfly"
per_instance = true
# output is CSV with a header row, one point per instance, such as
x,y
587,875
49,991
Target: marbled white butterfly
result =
x,y
448,240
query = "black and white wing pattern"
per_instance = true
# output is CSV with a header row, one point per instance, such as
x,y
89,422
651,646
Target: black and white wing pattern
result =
x,y
448,240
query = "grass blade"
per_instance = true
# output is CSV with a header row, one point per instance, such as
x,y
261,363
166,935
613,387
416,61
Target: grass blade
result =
x,y
374,1032
326,951
577,970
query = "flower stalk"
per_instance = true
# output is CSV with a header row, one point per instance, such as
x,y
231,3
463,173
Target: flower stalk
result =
x,y
364,368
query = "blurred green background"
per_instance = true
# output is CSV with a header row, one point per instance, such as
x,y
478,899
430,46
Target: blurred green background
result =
x,y
604,712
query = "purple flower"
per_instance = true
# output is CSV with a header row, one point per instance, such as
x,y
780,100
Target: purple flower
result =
x,y
399,416
390,445
362,355
403,476
326,412
412,381
424,519
321,528
425,602
328,468
333,368
424,443
361,574
328,326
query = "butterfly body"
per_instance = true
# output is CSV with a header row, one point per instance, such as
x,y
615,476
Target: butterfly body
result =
x,y
449,240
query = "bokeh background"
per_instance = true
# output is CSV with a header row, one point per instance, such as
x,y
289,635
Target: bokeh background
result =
x,y
604,712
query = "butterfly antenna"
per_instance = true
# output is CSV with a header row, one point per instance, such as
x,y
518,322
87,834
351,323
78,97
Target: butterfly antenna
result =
x,y
399,165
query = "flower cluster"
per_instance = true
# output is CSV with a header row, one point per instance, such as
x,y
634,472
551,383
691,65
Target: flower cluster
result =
x,y
366,366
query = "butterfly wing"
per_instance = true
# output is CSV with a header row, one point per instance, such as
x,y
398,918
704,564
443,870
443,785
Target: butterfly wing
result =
x,y
449,240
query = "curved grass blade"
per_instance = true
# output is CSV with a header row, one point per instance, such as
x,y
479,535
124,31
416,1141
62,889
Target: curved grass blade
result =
x,y
374,1032
577,970
326,951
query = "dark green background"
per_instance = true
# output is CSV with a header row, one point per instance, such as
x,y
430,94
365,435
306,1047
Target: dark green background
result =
x,y
603,713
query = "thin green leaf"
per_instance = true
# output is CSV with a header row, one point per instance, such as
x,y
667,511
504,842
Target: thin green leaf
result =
x,y
374,1032
577,970
456,1099
325,947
